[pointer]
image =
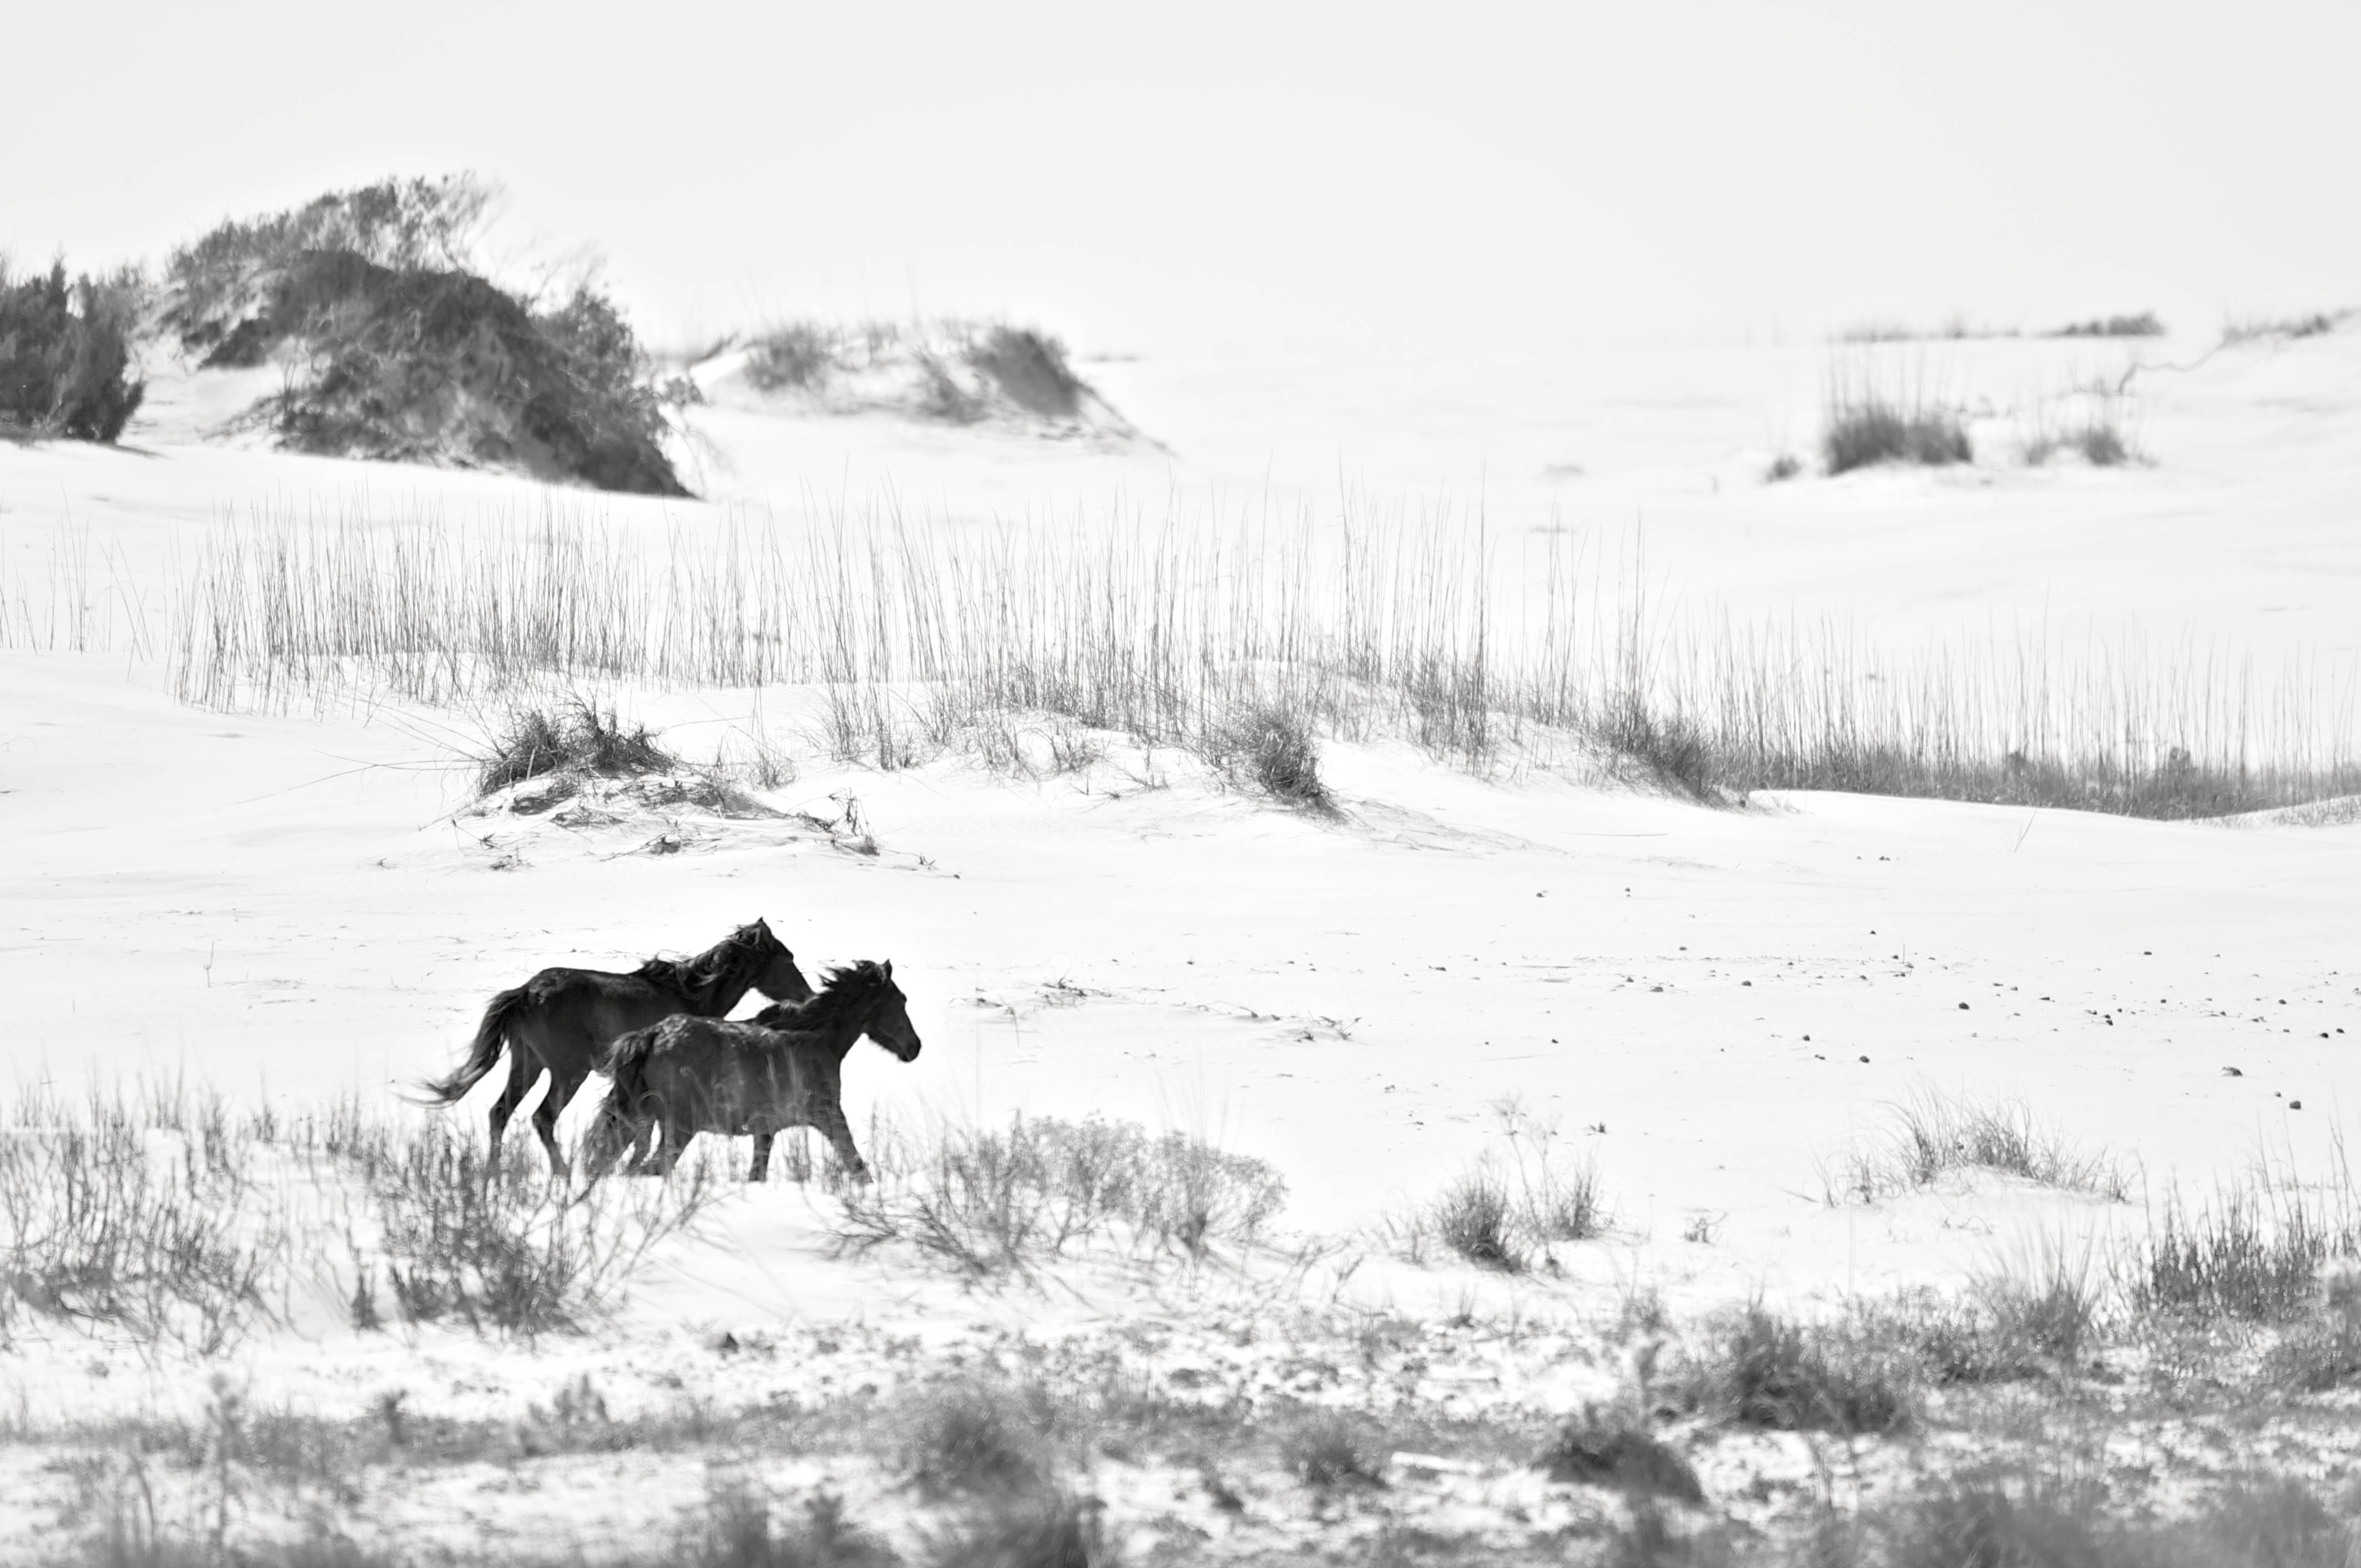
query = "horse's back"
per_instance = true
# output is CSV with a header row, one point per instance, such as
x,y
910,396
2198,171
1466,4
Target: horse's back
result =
x,y
732,1076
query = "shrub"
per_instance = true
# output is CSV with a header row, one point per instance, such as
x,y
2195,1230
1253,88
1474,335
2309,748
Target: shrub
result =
x,y
1786,465
400,224
1030,370
408,356
65,355
1869,430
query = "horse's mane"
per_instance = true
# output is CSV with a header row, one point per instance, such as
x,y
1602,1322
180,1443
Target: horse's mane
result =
x,y
841,990
711,968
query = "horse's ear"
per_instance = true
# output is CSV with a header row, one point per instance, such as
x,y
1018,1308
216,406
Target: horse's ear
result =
x,y
889,968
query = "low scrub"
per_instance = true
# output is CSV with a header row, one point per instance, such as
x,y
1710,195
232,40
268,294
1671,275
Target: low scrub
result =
x,y
993,1200
65,355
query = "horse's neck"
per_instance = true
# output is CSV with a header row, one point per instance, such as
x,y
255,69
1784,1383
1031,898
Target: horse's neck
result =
x,y
711,997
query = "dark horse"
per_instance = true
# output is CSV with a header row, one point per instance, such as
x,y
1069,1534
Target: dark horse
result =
x,y
565,1019
783,1068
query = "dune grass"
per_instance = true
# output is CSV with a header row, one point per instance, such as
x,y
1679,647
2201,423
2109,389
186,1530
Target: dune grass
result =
x,y
919,643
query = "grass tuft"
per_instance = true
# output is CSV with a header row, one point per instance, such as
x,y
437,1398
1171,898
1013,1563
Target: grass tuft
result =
x,y
2142,325
1935,1136
583,739
1867,430
1757,1369
1613,1450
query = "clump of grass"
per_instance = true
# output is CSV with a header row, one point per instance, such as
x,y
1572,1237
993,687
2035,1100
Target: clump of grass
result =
x,y
582,739
1671,747
1270,746
1757,1369
1474,1217
1030,370
971,1437
1328,1450
2142,324
800,355
1936,1135
1041,1529
1786,465
1865,428
989,1200
65,355
2254,1253
1500,1220
1612,1449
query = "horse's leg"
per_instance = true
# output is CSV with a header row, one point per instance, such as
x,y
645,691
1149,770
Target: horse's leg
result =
x,y
829,1118
760,1170
677,1134
545,1116
523,1068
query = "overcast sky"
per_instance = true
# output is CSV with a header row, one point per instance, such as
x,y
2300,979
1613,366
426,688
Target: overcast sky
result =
x,y
1203,177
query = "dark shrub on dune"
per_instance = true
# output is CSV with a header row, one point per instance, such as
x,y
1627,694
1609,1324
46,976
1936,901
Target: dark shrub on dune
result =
x,y
65,355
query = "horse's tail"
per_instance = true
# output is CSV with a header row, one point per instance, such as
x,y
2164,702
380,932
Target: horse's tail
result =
x,y
616,1125
483,1056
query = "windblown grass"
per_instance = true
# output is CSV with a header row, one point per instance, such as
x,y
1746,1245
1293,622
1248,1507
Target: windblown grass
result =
x,y
1934,1135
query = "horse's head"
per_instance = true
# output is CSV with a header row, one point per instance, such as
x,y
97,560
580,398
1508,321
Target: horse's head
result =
x,y
889,1018
775,975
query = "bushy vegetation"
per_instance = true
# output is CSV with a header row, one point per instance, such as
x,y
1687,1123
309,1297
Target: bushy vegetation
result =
x,y
65,355
404,354
992,1200
1505,1212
